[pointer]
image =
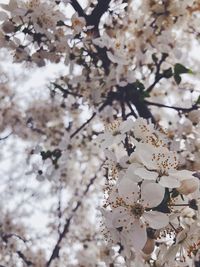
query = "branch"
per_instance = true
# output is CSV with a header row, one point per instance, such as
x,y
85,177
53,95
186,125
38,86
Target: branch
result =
x,y
124,117
131,109
83,125
5,238
157,79
94,18
194,107
143,110
158,75
133,96
5,137
56,250
75,4
97,13
23,257
65,91
88,121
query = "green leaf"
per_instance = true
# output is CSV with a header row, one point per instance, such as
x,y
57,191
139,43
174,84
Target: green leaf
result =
x,y
198,101
139,85
178,70
164,56
145,94
46,155
177,78
168,73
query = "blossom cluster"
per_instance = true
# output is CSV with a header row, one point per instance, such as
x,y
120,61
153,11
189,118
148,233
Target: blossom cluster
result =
x,y
148,198
127,64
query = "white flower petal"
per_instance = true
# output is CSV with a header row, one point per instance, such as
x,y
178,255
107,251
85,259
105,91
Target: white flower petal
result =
x,y
119,138
126,126
156,220
170,255
40,178
123,161
169,182
181,175
130,173
3,15
128,190
110,155
117,58
108,141
152,194
112,196
145,174
120,217
138,235
144,153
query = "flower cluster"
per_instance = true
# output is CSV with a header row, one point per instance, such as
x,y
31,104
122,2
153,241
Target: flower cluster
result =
x,y
150,196
123,63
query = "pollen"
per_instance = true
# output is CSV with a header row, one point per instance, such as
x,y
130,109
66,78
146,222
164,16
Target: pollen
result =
x,y
137,210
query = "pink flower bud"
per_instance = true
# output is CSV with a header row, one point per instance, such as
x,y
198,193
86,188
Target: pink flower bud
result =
x,y
188,186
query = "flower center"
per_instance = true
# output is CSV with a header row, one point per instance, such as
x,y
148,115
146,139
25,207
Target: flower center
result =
x,y
137,210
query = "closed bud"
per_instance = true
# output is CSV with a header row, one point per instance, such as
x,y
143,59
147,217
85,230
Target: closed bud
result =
x,y
8,27
188,186
149,246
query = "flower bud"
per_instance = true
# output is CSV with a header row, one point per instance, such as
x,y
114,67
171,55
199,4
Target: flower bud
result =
x,y
194,116
149,246
188,186
8,27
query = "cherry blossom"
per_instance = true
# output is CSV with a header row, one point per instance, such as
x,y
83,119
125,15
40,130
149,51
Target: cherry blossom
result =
x,y
99,133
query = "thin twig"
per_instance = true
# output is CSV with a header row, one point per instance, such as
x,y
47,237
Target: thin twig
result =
x,y
5,137
194,107
158,75
65,91
131,109
23,257
56,250
88,121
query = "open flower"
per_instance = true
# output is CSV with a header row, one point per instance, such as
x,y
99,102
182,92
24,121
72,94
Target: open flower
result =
x,y
115,132
78,23
132,210
160,164
185,244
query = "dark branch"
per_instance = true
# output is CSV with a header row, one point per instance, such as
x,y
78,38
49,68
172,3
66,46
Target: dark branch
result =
x,y
23,257
88,121
5,137
75,4
97,13
83,125
6,237
65,91
132,110
56,250
133,96
55,253
194,107
93,20
158,75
